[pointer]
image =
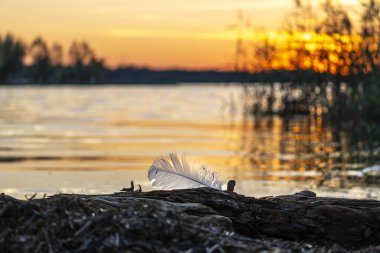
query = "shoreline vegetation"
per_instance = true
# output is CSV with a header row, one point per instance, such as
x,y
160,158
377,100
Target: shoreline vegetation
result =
x,y
190,220
333,55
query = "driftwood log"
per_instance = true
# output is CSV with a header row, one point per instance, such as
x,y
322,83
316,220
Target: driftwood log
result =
x,y
193,220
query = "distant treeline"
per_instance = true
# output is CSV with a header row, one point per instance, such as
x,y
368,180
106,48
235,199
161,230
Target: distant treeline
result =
x,y
46,63
46,66
130,75
133,75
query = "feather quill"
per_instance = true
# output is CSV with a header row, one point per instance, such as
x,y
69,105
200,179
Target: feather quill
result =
x,y
180,174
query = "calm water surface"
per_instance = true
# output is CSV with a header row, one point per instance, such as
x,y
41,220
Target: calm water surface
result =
x,y
94,139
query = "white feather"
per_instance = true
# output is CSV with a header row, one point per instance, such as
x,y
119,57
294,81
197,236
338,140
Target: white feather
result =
x,y
181,174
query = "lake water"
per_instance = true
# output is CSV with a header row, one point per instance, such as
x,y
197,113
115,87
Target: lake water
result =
x,y
95,139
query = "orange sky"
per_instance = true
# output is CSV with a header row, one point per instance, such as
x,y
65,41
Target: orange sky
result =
x,y
157,33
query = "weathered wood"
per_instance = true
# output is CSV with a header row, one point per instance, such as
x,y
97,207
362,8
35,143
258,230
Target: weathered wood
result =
x,y
198,220
298,217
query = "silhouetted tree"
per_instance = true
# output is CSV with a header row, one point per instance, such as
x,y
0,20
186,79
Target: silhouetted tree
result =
x,y
56,58
41,62
12,52
87,67
56,55
80,53
96,69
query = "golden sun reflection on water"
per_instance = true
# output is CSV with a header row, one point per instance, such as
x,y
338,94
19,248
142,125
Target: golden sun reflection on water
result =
x,y
96,139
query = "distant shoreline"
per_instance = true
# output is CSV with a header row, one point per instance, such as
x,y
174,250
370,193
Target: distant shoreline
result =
x,y
144,76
